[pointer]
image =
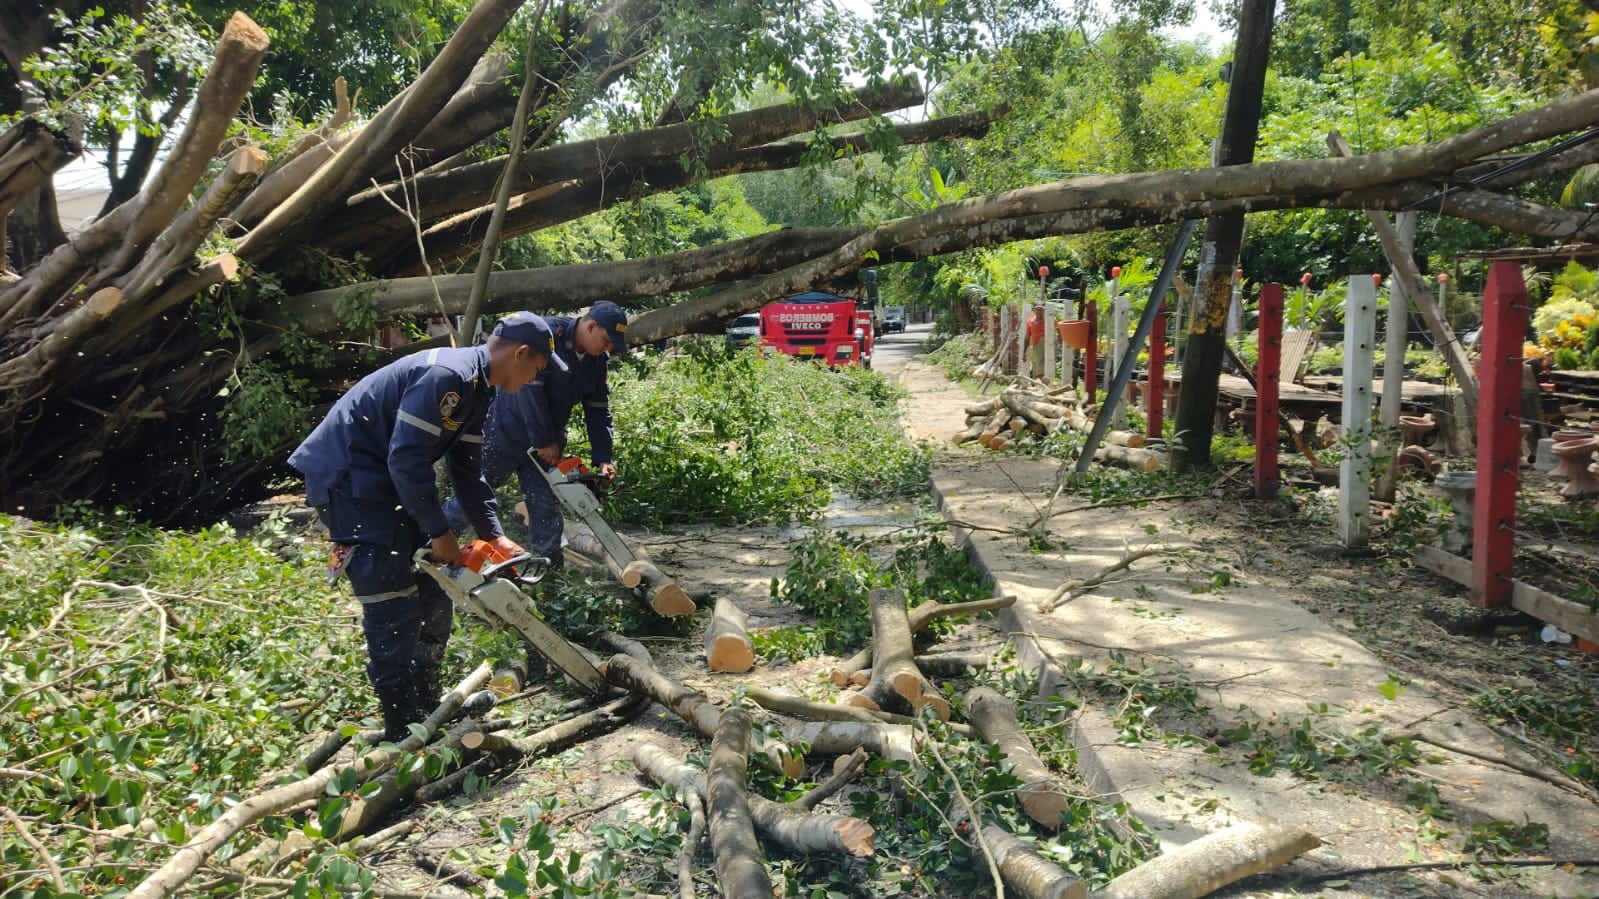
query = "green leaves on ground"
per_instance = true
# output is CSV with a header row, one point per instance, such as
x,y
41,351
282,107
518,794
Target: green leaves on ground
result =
x,y
716,436
832,573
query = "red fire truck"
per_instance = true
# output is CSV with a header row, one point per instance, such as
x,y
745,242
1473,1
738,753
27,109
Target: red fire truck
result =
x,y
818,325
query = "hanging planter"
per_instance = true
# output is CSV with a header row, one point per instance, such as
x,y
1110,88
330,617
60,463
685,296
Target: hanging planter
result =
x,y
1076,333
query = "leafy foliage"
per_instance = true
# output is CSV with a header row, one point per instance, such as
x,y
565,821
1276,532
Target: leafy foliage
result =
x,y
721,436
833,572
145,679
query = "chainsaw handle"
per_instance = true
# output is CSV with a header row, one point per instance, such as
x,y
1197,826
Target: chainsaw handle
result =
x,y
523,558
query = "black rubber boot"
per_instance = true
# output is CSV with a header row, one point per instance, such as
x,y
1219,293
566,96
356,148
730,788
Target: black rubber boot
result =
x,y
399,711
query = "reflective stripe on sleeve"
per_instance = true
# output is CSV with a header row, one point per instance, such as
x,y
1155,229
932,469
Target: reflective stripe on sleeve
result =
x,y
471,438
433,355
422,423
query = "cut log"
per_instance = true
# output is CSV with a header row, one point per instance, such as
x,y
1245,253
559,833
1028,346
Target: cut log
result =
x,y
985,408
1212,862
896,681
1027,872
665,596
1023,410
239,52
800,707
1130,457
177,870
727,642
692,706
894,742
174,247
1042,795
920,617
510,675
688,784
740,869
790,825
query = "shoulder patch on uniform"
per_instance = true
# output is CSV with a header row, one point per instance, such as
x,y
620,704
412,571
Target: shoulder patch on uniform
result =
x,y
447,406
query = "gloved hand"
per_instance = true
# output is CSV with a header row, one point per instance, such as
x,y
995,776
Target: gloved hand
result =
x,y
551,454
505,547
444,549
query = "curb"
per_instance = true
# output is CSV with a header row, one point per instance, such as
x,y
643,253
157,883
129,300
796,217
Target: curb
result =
x,y
1090,728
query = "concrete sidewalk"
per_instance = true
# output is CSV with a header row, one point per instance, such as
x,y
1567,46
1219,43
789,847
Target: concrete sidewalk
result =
x,y
1267,674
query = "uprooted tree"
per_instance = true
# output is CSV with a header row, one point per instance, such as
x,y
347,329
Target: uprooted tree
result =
x,y
124,350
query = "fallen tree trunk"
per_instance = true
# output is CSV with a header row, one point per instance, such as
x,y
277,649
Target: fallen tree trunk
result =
x,y
791,826
895,678
1042,795
920,617
1211,862
665,596
177,870
740,869
692,706
727,642
800,707
1026,871
895,742
937,664
30,153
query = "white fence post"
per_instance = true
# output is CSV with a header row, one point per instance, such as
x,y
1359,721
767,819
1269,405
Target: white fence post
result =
x,y
1354,473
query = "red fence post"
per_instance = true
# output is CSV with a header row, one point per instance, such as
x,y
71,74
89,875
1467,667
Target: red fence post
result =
x,y
1155,396
1091,355
1268,369
1504,323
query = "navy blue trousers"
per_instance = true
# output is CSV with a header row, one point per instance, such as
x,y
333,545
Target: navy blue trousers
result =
x,y
405,616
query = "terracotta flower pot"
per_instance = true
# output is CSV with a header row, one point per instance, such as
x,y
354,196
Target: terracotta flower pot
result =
x,y
1416,428
1075,332
1571,462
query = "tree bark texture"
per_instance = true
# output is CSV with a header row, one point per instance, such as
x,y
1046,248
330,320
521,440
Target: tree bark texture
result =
x,y
920,617
896,681
1224,235
1027,872
1042,795
792,826
692,706
1211,862
740,868
727,641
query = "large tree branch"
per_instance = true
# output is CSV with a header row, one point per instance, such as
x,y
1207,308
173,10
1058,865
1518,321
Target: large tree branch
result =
x,y
582,174
568,286
455,190
566,201
384,136
240,50
30,153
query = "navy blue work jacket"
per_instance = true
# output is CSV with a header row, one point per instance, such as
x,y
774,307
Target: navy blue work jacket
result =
x,y
380,440
536,416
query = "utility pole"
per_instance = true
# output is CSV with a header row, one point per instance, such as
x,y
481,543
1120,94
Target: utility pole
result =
x,y
1207,329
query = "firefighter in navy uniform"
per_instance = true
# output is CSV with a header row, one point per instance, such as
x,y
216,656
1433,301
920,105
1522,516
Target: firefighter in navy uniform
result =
x,y
536,419
369,473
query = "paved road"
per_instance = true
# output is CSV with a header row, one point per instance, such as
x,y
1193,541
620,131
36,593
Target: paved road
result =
x,y
894,350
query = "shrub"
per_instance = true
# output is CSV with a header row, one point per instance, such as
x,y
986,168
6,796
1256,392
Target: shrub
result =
x,y
719,436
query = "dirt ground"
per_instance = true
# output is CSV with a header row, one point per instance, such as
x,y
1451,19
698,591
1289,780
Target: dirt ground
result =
x,y
1285,646
1252,635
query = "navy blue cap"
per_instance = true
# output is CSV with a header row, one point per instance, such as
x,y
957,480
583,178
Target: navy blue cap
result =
x,y
532,330
611,317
